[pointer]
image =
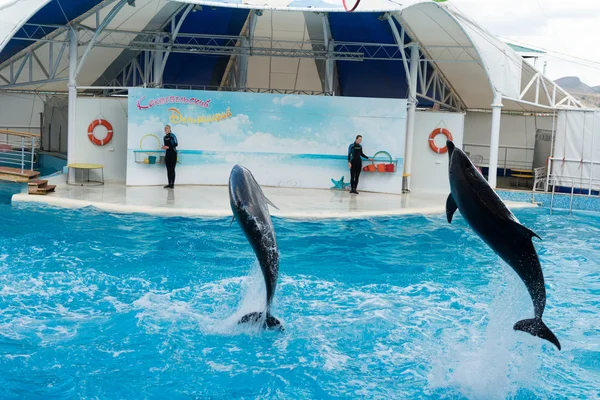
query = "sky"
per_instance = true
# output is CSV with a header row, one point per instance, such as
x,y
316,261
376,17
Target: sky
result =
x,y
565,26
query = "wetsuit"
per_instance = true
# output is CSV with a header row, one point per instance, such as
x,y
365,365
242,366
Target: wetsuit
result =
x,y
170,141
354,158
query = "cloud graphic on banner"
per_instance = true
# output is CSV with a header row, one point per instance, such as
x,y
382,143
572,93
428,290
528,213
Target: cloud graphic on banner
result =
x,y
294,101
269,143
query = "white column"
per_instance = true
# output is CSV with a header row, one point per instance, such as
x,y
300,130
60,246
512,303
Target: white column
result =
x,y
410,118
72,85
495,139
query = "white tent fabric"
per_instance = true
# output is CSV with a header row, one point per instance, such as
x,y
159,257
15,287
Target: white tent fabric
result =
x,y
473,62
307,5
577,149
13,14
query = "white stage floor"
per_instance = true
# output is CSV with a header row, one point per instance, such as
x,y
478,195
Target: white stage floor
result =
x,y
213,201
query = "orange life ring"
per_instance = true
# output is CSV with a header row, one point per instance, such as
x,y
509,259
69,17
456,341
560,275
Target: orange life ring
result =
x,y
432,136
93,126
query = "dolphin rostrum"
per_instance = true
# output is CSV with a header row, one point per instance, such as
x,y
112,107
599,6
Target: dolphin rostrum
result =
x,y
489,217
250,209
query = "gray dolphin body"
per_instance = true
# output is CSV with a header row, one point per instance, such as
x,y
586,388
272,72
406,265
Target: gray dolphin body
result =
x,y
250,209
499,228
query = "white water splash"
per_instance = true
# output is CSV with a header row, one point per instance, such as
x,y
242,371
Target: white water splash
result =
x,y
492,361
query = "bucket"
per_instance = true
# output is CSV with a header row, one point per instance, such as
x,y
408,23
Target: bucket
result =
x,y
371,167
388,166
152,159
366,168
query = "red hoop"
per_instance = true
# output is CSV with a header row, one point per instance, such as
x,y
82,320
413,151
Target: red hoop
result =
x,y
353,8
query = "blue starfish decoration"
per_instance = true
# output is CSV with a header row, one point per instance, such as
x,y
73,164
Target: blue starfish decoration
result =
x,y
341,185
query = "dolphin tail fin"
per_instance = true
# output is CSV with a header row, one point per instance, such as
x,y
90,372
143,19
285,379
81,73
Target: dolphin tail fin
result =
x,y
451,208
536,327
270,321
273,323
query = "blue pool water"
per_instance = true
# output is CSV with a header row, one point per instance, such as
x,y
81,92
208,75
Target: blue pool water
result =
x,y
94,305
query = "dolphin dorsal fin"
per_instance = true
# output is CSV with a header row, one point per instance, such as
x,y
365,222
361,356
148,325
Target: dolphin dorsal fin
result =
x,y
524,231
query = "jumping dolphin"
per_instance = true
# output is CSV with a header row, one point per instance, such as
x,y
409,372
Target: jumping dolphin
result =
x,y
250,209
501,230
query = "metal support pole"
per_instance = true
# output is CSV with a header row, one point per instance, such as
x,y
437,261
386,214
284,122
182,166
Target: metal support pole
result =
x,y
158,57
495,139
246,43
329,61
410,117
72,85
32,151
109,17
22,154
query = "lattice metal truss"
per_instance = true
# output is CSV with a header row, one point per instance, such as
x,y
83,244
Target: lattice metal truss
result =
x,y
545,94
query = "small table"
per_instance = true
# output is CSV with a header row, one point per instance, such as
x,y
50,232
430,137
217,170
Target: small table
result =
x,y
85,167
525,174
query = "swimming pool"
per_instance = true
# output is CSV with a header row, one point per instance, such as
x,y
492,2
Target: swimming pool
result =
x,y
124,306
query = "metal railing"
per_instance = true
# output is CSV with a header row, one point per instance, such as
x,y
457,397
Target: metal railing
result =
x,y
588,183
555,180
512,162
17,149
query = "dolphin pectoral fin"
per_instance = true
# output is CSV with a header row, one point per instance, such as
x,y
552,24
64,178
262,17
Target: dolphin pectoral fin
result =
x,y
536,327
524,231
232,219
271,203
451,208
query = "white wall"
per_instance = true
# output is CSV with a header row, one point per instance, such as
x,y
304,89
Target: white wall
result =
x,y
21,111
113,155
515,131
429,169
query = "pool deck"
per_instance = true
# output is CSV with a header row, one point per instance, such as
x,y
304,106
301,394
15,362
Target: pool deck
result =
x,y
213,201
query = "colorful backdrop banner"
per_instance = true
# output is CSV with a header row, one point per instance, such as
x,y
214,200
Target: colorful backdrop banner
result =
x,y
286,140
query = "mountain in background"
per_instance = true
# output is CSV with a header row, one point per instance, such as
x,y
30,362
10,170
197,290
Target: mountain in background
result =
x,y
588,95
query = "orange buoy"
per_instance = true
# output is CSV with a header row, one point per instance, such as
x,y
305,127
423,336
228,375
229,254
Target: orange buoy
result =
x,y
432,136
94,139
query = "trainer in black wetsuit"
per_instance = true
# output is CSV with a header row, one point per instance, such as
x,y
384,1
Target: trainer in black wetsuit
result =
x,y
170,141
355,163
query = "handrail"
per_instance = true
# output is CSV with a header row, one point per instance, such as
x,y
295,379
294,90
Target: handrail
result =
x,y
572,193
18,149
17,133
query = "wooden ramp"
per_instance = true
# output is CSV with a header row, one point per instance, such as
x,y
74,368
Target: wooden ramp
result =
x,y
15,174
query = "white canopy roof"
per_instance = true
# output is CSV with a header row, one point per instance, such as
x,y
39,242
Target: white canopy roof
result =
x,y
474,63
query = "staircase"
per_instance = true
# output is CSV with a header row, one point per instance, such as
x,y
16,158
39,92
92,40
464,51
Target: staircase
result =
x,y
40,187
17,174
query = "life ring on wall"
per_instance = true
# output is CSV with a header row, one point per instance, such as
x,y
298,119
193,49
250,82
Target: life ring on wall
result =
x,y
94,139
432,136
348,8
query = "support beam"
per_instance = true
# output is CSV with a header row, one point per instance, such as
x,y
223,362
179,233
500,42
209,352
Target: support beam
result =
x,y
410,118
157,66
246,43
174,32
329,62
72,85
495,139
111,14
